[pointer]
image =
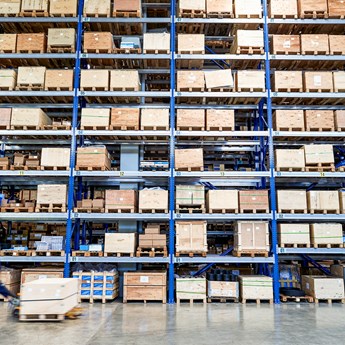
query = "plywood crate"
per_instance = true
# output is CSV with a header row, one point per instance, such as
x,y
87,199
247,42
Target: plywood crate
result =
x,y
222,289
312,8
63,8
287,81
8,43
59,80
336,44
120,200
339,81
9,7
190,81
336,9
323,201
247,9
342,200
187,7
124,80
256,288
250,81
124,118
156,43
127,8
8,79
338,271
328,234
31,274
97,8
248,42
286,44
190,195
93,157
5,118
314,44
189,159
122,243
52,194
292,201
153,200
189,43
191,237
282,9
220,119
94,80
221,80
31,43
318,81
251,238
322,287
26,117
31,78
55,157
9,276
318,154
254,200
221,8
154,119
98,42
144,286
61,40
289,160
294,235
95,118
152,241
190,288
339,120
36,7
190,119
319,120
222,201
288,120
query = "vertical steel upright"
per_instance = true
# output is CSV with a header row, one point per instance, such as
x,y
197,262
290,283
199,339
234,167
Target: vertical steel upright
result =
x,y
70,199
171,280
271,158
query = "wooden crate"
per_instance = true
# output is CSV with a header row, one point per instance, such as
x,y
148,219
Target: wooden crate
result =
x,y
97,8
289,160
52,194
312,8
247,9
190,288
192,44
282,9
339,120
31,78
191,237
287,81
314,44
124,80
318,81
8,79
150,241
5,118
292,201
288,120
315,154
93,157
220,120
31,43
154,119
187,6
63,8
61,40
250,81
155,43
286,44
336,9
55,157
127,8
153,200
122,243
144,286
98,42
120,200
124,118
293,235
190,81
323,287
256,288
8,43
35,7
189,159
323,201
59,80
26,117
9,7
223,201
219,8
338,270
94,80
254,200
9,276
248,42
339,81
220,80
336,44
190,119
190,195
222,289
326,233
342,200
4,165
31,274
95,118
319,120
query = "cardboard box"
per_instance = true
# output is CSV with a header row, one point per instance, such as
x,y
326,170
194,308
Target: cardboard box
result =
x,y
222,289
29,117
256,287
93,79
322,287
186,159
93,157
121,80
31,76
61,38
5,118
220,119
295,200
315,154
153,199
288,81
190,118
191,236
52,194
8,79
98,42
156,119
318,81
189,80
8,43
250,80
326,233
295,233
99,8
62,8
95,117
125,118
187,43
156,42
190,195
314,44
254,200
121,199
190,288
59,80
282,9
222,200
55,157
120,243
320,200
289,159
219,79
247,9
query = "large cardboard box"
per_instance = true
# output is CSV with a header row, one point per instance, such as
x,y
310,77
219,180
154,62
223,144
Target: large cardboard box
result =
x,y
189,80
59,80
247,9
55,157
286,44
323,200
322,287
34,76
190,288
295,233
219,79
220,119
29,117
282,9
222,200
190,195
318,120
153,199
98,42
8,79
326,233
314,44
315,154
295,200
187,43
222,289
51,194
121,199
256,287
95,117
156,42
92,79
62,8
121,80
8,43
255,199
187,119
188,159
191,236
289,159
125,118
320,81
287,81
93,157
120,243
157,119
99,8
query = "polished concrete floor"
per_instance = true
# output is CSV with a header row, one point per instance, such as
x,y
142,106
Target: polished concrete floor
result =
x,y
212,324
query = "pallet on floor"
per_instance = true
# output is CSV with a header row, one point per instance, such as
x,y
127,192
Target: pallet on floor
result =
x,y
47,253
145,301
86,253
42,317
191,300
222,299
257,301
329,300
251,253
296,299
152,252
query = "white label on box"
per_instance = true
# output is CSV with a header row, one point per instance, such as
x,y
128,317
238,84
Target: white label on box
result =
x,y
317,80
287,44
144,279
43,276
307,285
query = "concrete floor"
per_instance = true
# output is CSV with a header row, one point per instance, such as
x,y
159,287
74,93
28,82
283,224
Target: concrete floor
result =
x,y
132,324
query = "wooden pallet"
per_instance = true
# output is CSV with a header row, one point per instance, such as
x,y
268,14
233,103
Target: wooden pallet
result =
x,y
17,209
320,129
51,208
328,245
220,15
161,210
252,253
82,168
219,129
124,128
319,90
94,88
223,210
127,14
34,51
335,211
257,301
154,128
119,210
48,253
191,128
127,51
283,89
119,254
86,253
144,301
191,254
9,252
97,51
191,300
296,299
315,52
60,49
190,209
320,167
34,13
248,15
57,127
89,210
94,128
249,50
96,15
250,89
258,210
4,167
284,52
29,87
222,299
5,127
25,128
190,89
190,169
58,88
152,252
103,299
294,245
184,13
292,211
54,168
24,167
290,169
329,300
313,14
